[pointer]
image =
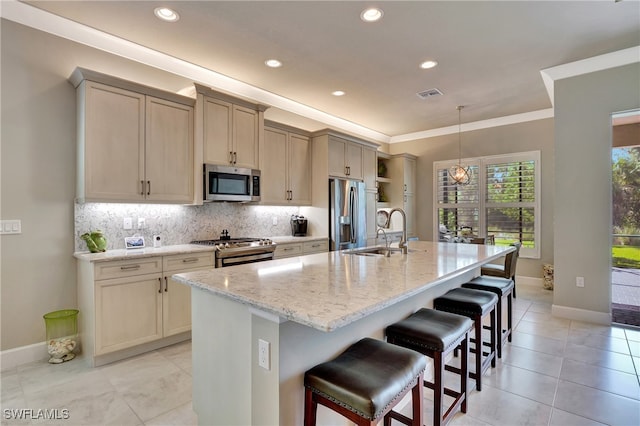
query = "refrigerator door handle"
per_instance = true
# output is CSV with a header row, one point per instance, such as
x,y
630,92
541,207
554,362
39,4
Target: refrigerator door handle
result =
x,y
352,213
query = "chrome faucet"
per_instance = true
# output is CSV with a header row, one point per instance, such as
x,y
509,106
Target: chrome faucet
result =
x,y
386,241
403,241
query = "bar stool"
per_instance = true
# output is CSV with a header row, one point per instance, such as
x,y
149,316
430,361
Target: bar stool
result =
x,y
508,270
474,304
365,382
436,334
501,287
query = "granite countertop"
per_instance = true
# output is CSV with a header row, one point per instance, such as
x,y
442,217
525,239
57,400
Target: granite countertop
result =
x,y
123,254
329,290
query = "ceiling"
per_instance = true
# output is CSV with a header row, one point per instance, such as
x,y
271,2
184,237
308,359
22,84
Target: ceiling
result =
x,y
490,54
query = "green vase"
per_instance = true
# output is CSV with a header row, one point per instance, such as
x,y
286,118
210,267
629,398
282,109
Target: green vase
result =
x,y
96,242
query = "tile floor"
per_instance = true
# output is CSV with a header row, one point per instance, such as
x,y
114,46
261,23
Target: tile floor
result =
x,y
555,372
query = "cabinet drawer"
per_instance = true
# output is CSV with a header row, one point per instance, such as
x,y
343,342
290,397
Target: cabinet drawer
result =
x,y
127,268
315,246
187,261
287,250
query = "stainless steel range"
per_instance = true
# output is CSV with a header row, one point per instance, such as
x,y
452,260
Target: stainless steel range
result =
x,y
237,251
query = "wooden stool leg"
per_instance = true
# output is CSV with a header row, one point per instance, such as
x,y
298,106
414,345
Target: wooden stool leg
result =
x,y
499,328
464,372
310,408
438,387
510,315
417,395
478,348
493,337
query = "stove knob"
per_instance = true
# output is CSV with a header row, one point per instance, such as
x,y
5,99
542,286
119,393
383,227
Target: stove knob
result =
x,y
226,245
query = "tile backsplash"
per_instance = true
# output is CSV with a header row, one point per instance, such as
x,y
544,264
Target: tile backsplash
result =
x,y
178,224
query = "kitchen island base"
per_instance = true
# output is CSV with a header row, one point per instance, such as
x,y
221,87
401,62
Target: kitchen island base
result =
x,y
229,386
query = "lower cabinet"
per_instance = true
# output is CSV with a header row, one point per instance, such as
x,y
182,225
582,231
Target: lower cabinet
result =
x,y
298,249
125,305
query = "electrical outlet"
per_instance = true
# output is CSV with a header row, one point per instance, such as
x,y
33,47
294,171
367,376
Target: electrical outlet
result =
x,y
141,222
264,354
580,281
275,220
127,223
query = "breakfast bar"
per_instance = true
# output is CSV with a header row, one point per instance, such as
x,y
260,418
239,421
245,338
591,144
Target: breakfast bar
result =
x,y
258,327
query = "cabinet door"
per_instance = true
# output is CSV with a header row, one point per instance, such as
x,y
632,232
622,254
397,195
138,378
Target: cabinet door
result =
x,y
369,168
176,305
371,213
410,211
113,143
169,151
218,130
299,165
128,312
354,160
409,175
245,137
337,149
273,174
287,250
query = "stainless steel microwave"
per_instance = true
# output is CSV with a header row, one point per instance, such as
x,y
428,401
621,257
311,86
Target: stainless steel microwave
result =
x,y
228,183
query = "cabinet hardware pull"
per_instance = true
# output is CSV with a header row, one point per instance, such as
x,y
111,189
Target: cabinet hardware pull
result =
x,y
130,267
287,248
235,157
230,157
190,260
166,284
160,285
148,187
405,187
315,245
141,187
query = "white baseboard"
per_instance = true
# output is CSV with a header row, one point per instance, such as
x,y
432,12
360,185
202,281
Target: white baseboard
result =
x,y
583,315
12,358
529,281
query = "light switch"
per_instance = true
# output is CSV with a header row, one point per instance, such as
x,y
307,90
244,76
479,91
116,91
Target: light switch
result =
x,y
11,227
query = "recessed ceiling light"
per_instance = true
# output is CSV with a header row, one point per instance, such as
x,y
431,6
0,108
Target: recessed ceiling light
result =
x,y
372,14
273,63
338,93
428,64
166,14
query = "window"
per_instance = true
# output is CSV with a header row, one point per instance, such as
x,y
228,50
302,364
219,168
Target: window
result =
x,y
502,199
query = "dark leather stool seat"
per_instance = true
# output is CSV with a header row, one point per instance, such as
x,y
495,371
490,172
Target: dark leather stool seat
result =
x,y
435,334
474,304
501,287
365,382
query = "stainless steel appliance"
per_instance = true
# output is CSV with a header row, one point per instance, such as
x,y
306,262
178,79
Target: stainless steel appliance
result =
x,y
224,183
237,251
347,220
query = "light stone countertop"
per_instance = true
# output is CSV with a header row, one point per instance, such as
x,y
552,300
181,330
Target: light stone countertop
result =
x,y
330,290
291,239
123,254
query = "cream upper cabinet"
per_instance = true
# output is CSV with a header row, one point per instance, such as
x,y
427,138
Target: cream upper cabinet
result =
x,y
169,151
135,143
369,168
285,167
402,186
230,129
345,158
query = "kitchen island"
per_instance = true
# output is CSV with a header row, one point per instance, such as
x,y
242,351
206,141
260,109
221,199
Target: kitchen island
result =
x,y
308,309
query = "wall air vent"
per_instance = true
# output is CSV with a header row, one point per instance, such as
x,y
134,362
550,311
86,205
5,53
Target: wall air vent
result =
x,y
429,93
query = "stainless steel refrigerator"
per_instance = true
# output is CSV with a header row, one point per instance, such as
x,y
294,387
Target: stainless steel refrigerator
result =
x,y
347,219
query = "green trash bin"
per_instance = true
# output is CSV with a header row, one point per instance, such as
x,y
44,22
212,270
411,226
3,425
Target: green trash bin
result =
x,y
62,334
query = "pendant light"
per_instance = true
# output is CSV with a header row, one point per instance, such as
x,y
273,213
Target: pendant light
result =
x,y
459,174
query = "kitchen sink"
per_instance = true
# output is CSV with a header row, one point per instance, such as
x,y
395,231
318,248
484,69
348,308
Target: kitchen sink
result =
x,y
373,251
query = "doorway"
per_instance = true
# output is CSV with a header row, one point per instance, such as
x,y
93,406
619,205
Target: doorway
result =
x,y
625,252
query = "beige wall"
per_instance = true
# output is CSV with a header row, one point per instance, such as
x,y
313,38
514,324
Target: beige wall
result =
x,y
530,136
582,212
37,175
